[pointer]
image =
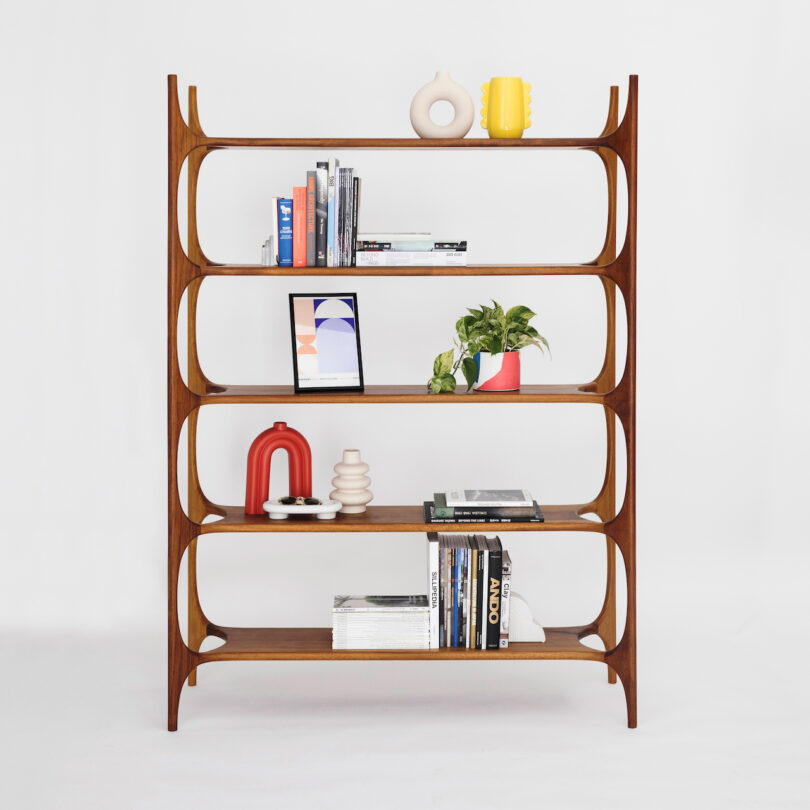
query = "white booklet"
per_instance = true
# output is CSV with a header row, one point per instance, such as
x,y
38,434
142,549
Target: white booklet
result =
x,y
489,497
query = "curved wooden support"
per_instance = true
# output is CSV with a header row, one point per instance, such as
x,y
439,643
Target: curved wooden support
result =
x,y
622,658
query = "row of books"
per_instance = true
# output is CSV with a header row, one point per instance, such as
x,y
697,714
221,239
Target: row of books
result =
x,y
469,579
483,506
317,226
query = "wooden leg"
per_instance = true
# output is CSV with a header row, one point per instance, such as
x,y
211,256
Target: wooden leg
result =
x,y
607,618
197,623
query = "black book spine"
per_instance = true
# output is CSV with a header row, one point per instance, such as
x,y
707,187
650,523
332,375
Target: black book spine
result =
x,y
493,511
355,207
494,595
480,597
321,179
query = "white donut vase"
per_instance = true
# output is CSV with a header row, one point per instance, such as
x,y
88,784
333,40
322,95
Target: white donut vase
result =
x,y
442,88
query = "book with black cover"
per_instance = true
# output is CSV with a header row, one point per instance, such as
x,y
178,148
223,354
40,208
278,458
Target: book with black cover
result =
x,y
430,517
480,543
494,593
355,207
321,180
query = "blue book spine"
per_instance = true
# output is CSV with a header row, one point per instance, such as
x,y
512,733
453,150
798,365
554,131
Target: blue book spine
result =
x,y
454,594
285,233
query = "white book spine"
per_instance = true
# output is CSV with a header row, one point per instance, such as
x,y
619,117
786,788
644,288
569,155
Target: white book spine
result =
x,y
433,591
506,589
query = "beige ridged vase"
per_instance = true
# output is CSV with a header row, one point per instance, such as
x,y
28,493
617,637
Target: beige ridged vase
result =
x,y
351,484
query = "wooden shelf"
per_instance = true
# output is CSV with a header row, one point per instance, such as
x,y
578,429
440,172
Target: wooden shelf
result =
x,y
396,394
396,519
315,644
588,269
405,143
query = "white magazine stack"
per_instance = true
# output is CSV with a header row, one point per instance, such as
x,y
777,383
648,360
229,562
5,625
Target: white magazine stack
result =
x,y
380,623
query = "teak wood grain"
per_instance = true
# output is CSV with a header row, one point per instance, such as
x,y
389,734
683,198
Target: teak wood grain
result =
x,y
187,143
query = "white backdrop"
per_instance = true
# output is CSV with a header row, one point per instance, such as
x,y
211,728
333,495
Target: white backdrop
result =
x,y
723,286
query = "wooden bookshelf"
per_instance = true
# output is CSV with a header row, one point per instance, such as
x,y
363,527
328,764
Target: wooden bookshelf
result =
x,y
189,145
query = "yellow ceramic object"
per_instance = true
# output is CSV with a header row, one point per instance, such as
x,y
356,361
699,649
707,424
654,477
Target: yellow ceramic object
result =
x,y
506,106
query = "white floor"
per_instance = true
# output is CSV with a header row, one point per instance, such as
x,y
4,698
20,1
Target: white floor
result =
x,y
84,727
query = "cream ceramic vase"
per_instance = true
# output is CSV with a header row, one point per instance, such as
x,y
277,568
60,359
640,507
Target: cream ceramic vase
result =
x,y
351,484
442,88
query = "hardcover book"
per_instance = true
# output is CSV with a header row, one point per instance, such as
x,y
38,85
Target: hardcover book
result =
x,y
321,180
299,226
493,606
285,232
489,497
310,219
332,204
355,208
442,510
431,517
506,589
483,569
433,588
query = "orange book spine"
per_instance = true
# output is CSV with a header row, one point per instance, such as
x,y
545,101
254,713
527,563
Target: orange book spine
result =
x,y
300,226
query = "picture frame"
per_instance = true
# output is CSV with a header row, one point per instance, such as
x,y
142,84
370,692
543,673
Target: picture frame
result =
x,y
325,333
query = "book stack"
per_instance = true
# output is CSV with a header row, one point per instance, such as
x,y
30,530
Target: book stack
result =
x,y
408,250
380,623
483,506
470,582
317,226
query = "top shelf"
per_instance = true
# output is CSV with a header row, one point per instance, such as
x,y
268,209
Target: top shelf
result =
x,y
404,143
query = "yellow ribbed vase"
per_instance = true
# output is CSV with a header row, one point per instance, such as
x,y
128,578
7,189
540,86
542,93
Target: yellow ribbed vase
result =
x,y
506,106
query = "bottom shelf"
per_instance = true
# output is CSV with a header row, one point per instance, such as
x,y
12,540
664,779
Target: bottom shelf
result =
x,y
315,644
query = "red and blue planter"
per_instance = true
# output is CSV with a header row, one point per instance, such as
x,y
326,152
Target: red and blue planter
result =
x,y
497,372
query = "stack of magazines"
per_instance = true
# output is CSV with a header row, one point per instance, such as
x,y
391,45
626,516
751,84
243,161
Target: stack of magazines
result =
x,y
380,623
470,583
408,250
483,506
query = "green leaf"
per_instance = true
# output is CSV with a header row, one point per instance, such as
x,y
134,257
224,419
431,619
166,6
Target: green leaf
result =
x,y
443,363
520,313
470,369
448,382
436,385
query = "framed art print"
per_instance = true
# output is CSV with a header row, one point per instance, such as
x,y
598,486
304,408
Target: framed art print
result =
x,y
326,342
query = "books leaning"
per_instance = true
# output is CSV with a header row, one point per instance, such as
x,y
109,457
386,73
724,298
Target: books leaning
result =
x,y
380,623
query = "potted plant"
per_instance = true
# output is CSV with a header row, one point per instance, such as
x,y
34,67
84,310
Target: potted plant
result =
x,y
488,342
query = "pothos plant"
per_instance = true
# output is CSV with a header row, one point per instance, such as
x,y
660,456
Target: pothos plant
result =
x,y
486,329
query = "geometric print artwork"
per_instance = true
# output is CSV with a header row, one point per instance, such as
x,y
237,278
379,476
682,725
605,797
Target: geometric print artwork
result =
x,y
326,347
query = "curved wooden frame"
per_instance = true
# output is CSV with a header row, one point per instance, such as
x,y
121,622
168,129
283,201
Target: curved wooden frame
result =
x,y
186,271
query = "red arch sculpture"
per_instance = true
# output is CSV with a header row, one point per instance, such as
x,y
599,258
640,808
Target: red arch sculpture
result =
x,y
258,466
